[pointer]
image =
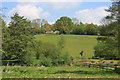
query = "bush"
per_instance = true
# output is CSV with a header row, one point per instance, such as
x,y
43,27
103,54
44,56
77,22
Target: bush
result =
x,y
103,50
37,62
78,30
46,62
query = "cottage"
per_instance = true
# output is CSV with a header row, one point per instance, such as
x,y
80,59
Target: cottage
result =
x,y
49,31
52,31
56,32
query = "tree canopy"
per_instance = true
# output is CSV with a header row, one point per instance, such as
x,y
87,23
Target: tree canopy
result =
x,y
64,25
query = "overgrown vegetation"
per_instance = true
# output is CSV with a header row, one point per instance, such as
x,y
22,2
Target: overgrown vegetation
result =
x,y
108,46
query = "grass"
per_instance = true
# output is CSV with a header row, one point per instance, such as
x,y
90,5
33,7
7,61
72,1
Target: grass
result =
x,y
56,72
73,43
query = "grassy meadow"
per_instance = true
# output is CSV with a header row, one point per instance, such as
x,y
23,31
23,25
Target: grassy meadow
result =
x,y
74,44
56,72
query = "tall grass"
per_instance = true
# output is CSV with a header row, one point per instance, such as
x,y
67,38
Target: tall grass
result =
x,y
56,72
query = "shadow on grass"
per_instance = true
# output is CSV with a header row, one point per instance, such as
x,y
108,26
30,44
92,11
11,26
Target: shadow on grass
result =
x,y
86,72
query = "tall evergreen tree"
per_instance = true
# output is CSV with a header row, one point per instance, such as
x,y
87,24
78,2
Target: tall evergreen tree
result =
x,y
19,37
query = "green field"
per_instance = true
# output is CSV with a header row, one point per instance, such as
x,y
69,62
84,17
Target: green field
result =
x,y
56,72
73,43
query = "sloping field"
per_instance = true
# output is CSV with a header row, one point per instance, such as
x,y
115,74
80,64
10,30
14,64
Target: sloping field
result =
x,y
74,44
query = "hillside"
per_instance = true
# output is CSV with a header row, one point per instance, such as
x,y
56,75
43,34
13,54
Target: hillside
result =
x,y
73,43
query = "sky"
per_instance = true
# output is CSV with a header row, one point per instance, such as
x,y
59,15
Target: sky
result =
x,y
84,11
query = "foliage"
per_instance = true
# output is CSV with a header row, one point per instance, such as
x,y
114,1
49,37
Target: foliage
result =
x,y
91,29
106,50
39,26
64,25
85,29
46,27
109,47
46,54
14,45
79,29
109,29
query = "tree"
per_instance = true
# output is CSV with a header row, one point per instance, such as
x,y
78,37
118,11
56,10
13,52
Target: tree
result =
x,y
46,26
19,36
35,24
43,22
3,34
110,47
39,22
107,49
91,29
64,25
39,25
109,30
79,29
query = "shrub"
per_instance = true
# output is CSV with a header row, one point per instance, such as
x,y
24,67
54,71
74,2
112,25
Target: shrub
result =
x,y
46,62
106,51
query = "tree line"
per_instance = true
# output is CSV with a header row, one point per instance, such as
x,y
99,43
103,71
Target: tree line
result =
x,y
65,25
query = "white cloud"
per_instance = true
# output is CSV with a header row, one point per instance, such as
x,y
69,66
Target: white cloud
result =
x,y
49,0
64,5
61,0
29,10
51,23
92,15
56,4
56,1
27,0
